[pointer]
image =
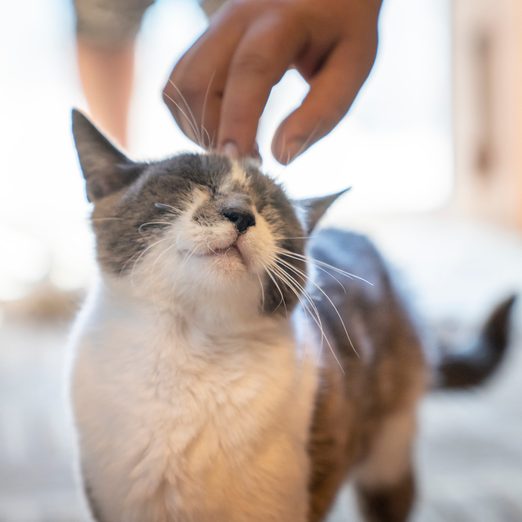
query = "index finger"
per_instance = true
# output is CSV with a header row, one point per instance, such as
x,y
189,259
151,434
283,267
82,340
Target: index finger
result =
x,y
264,54
332,92
194,89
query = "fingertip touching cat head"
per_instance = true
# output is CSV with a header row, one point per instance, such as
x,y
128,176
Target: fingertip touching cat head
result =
x,y
196,226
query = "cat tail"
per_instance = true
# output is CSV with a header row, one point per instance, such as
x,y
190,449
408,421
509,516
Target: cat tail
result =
x,y
476,364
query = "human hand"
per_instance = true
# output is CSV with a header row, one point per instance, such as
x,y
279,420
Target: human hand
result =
x,y
218,89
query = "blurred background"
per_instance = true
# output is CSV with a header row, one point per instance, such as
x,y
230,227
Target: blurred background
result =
x,y
431,149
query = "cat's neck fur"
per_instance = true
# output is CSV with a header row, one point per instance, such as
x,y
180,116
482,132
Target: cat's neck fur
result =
x,y
218,399
233,317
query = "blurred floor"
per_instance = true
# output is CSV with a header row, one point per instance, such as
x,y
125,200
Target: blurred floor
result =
x,y
470,450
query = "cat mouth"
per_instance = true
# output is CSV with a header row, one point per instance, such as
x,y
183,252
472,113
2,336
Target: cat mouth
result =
x,y
231,254
229,251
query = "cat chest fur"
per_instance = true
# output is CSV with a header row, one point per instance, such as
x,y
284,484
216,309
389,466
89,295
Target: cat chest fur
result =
x,y
182,424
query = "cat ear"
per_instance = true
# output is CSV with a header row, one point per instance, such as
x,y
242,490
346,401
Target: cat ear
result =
x,y
105,168
313,209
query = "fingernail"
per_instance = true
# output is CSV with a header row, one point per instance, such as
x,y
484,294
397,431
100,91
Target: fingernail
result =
x,y
230,149
293,150
286,153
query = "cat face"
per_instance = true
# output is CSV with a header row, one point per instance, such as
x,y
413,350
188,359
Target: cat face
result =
x,y
195,227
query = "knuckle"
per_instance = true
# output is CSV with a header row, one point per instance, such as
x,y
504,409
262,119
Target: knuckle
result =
x,y
240,6
236,4
334,114
190,90
253,63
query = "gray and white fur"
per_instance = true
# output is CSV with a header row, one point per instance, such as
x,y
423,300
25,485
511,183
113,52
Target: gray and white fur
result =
x,y
225,367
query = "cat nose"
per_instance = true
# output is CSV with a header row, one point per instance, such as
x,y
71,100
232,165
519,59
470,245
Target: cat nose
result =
x,y
241,218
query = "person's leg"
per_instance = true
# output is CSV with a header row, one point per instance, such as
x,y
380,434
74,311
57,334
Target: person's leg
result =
x,y
105,35
106,74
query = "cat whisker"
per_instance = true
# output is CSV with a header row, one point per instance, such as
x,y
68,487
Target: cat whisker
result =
x,y
336,310
283,146
134,266
193,127
293,290
271,276
306,143
262,290
293,284
301,287
326,272
210,248
130,260
189,254
210,143
301,257
332,276
161,254
198,131
320,264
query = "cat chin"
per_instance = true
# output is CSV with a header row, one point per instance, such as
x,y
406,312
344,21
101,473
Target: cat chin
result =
x,y
229,265
223,257
222,272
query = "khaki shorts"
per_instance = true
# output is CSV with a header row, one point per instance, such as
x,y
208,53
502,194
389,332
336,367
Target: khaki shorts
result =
x,y
111,22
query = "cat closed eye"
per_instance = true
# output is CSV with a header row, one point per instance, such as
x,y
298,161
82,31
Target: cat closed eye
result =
x,y
152,224
161,206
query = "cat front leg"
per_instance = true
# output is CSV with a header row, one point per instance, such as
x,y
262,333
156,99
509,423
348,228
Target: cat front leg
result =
x,y
390,503
385,481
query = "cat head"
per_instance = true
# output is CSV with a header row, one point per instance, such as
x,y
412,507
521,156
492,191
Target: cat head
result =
x,y
196,229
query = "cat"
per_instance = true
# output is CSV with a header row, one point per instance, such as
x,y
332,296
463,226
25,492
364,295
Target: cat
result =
x,y
226,367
